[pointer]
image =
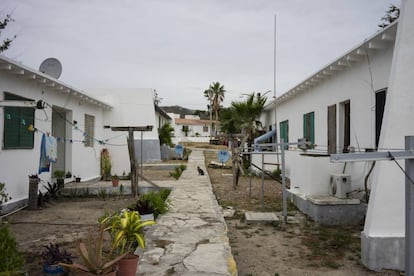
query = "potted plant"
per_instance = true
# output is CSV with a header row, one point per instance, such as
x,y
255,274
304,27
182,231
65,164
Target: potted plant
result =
x,y
51,256
4,197
68,174
95,260
156,201
59,175
144,207
77,178
115,180
127,234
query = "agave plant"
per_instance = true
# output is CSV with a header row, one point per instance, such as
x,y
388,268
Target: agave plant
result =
x,y
126,230
94,259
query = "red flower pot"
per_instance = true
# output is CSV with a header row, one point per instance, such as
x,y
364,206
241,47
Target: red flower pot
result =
x,y
128,265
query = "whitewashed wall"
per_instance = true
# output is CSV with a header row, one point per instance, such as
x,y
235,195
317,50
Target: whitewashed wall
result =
x,y
131,107
384,238
310,175
17,164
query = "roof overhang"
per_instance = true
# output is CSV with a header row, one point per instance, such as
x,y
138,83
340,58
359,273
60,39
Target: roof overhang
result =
x,y
25,73
380,40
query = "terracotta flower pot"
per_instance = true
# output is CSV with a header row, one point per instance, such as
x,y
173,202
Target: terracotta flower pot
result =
x,y
128,265
115,182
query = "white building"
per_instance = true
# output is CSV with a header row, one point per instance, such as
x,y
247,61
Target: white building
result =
x,y
337,108
190,128
341,108
131,107
75,118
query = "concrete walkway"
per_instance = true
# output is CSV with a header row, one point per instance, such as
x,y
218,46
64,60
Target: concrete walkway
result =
x,y
191,239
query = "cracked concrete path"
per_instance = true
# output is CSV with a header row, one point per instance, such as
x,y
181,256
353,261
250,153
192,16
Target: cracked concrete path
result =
x,y
191,239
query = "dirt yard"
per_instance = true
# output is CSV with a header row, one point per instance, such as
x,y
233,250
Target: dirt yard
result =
x,y
301,248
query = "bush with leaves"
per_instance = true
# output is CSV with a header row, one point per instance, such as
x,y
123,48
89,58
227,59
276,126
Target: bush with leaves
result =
x,y
165,134
11,260
4,197
153,202
52,255
178,170
6,42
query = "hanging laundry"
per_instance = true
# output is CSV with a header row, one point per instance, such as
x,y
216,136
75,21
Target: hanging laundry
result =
x,y
44,163
51,148
48,152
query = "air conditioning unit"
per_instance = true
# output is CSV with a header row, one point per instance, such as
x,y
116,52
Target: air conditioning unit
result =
x,y
340,185
304,143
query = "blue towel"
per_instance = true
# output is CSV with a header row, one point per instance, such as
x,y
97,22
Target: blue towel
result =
x,y
44,164
51,148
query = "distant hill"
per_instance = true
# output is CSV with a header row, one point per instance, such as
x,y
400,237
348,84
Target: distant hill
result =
x,y
185,111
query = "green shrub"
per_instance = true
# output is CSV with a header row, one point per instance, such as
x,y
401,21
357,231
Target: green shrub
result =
x,y
164,193
4,197
276,173
152,202
11,260
178,170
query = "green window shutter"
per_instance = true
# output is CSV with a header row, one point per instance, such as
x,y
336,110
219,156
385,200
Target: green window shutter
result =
x,y
309,127
26,136
11,127
16,123
305,128
312,127
284,132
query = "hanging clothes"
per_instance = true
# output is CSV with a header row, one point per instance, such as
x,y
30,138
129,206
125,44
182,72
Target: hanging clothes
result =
x,y
44,163
51,148
48,152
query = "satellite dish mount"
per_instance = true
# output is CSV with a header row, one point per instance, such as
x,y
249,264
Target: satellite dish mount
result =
x,y
51,67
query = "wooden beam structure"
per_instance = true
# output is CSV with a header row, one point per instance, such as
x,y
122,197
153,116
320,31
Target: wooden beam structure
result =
x,y
131,150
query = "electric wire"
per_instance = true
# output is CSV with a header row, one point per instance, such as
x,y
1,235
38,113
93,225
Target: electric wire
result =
x,y
401,168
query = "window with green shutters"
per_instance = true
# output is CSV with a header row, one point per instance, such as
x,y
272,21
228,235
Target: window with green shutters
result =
x,y
309,127
16,122
284,132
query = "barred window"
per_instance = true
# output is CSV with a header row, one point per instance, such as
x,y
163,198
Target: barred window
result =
x,y
89,130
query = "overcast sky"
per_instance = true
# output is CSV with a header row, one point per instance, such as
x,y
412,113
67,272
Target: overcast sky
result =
x,y
179,47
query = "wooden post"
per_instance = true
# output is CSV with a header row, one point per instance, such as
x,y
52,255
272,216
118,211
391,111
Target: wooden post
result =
x,y
131,150
235,157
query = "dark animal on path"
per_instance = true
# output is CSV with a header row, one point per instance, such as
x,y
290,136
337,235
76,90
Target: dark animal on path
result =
x,y
200,171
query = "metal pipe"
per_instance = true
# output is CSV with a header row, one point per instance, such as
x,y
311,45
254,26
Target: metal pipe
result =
x,y
284,193
262,189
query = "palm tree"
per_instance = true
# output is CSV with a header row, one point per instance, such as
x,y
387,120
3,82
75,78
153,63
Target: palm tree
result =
x,y
247,114
242,117
215,96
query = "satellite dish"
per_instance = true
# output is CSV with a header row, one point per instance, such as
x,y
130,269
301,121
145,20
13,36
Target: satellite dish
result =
x,y
223,156
179,150
51,67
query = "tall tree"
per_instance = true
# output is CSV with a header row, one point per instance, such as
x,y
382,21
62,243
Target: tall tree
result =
x,y
6,42
248,113
165,134
215,96
392,14
242,117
